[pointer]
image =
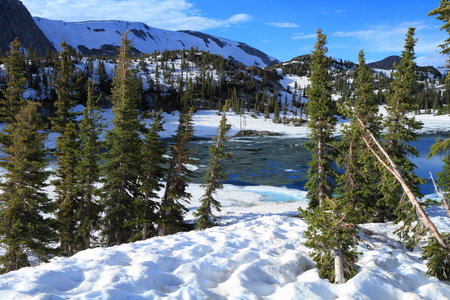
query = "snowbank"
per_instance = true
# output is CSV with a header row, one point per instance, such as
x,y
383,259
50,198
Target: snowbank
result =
x,y
258,251
260,257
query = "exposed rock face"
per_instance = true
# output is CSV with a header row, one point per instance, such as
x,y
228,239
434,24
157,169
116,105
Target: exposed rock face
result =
x,y
16,21
385,64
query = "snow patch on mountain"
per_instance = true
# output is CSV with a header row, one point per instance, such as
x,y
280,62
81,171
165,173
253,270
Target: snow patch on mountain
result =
x,y
104,37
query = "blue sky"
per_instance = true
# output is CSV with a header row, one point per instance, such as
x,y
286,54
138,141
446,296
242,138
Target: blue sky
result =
x,y
283,29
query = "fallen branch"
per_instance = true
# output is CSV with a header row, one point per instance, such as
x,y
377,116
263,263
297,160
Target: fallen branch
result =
x,y
423,217
441,195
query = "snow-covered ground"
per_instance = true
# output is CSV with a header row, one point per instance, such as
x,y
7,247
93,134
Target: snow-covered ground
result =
x,y
257,252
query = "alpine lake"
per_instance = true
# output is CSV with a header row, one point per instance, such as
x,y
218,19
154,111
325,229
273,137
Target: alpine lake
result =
x,y
283,161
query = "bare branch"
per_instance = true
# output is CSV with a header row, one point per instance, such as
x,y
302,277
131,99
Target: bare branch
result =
x,y
423,217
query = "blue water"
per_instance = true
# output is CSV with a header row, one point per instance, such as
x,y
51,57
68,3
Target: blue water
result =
x,y
278,197
283,162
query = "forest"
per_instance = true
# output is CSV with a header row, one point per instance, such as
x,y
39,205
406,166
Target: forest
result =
x,y
106,189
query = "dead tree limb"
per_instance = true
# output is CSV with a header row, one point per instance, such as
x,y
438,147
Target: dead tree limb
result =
x,y
441,195
423,217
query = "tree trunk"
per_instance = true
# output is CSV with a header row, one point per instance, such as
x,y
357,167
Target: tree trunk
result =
x,y
423,217
338,266
320,170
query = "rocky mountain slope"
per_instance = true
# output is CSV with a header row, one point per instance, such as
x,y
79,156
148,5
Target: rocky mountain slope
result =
x,y
385,64
103,37
16,21
388,64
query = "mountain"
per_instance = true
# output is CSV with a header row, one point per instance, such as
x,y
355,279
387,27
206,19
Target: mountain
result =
x,y
103,38
16,21
388,64
385,64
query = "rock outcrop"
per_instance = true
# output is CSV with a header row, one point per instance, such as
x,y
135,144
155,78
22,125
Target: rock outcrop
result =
x,y
16,21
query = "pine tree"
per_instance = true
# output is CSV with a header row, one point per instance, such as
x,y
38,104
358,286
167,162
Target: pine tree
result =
x,y
437,256
13,94
332,235
178,176
442,147
214,174
276,112
322,122
123,164
153,151
358,183
23,202
23,226
400,130
442,13
87,170
67,145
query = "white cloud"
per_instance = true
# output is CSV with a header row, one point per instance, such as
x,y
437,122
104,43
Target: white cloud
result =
x,y
164,14
391,38
434,58
284,25
359,34
302,36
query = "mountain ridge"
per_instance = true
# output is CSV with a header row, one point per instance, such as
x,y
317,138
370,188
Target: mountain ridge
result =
x,y
103,37
386,63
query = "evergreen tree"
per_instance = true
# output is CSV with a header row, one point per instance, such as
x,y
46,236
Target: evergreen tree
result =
x,y
442,13
153,151
67,145
87,170
123,164
438,257
16,81
178,175
214,174
23,224
276,112
359,181
442,147
332,235
322,121
400,130
23,202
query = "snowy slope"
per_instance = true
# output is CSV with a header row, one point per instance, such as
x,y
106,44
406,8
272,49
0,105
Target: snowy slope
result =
x,y
258,252
95,34
263,257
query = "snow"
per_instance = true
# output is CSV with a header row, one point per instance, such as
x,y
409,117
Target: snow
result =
x,y
94,34
260,255
289,80
257,252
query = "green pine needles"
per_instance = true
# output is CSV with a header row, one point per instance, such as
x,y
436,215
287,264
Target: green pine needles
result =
x,y
172,209
360,177
332,234
331,222
438,257
400,130
123,164
87,169
153,171
214,174
65,124
322,121
25,206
